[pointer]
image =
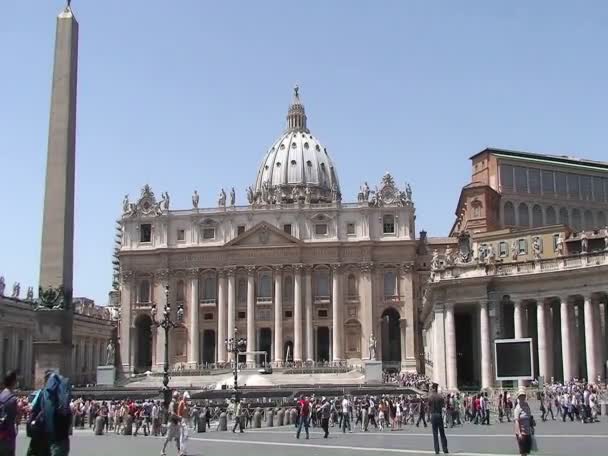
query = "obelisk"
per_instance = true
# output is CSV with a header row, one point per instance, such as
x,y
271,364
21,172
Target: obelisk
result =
x,y
53,338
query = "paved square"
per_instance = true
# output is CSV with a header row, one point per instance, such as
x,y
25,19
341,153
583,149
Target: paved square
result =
x,y
554,438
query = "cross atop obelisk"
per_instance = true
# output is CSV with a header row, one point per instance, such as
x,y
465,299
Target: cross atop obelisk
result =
x,y
57,256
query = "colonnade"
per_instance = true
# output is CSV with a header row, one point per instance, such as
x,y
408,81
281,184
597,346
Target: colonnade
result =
x,y
573,325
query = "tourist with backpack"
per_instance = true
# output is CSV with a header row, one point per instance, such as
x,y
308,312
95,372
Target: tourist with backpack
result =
x,y
8,415
49,425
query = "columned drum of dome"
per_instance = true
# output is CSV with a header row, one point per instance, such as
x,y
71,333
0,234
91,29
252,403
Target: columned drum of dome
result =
x,y
296,168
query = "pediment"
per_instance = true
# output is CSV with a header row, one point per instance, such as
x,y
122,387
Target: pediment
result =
x,y
264,235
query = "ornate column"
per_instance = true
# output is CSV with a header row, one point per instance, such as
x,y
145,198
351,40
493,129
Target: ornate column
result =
x,y
590,340
193,334
297,313
308,311
251,344
124,323
337,319
402,335
486,357
450,348
409,343
221,316
230,272
366,306
518,322
278,315
161,280
543,354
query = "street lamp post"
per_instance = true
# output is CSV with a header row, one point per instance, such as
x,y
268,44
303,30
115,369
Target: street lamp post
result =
x,y
166,323
235,346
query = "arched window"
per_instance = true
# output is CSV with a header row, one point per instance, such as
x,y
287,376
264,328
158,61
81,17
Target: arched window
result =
x,y
589,224
144,291
537,216
564,219
388,224
242,290
390,283
265,286
550,216
524,215
209,287
320,279
287,289
577,222
509,214
179,291
352,286
601,219
476,208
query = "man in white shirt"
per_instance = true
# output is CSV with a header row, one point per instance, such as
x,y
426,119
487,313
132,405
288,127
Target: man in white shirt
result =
x,y
346,415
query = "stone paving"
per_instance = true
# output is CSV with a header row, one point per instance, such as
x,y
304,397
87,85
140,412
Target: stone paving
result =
x,y
554,437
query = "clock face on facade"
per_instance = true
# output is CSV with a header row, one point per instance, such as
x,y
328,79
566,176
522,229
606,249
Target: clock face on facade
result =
x,y
389,195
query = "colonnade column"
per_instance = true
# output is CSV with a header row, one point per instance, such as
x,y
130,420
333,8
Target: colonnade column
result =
x,y
221,317
590,340
308,312
450,348
542,336
161,281
125,325
250,316
518,323
193,334
278,315
297,313
566,339
338,323
366,306
231,306
484,332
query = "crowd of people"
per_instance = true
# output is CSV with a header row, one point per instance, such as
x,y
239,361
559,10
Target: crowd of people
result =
x,y
407,379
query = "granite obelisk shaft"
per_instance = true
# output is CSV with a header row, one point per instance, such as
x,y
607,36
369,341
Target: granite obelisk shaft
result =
x,y
57,255
54,316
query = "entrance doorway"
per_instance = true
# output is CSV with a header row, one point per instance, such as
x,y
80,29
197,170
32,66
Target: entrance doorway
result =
x,y
465,363
322,343
143,348
208,346
265,342
391,339
288,351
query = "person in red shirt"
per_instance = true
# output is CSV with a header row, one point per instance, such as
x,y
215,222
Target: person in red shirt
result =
x,y
304,407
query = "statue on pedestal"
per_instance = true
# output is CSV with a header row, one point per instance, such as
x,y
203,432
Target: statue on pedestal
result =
x,y
110,352
232,196
372,347
584,243
536,247
221,202
30,294
2,285
16,290
559,245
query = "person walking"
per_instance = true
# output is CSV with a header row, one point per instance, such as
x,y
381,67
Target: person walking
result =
x,y
304,408
8,415
421,413
346,415
436,405
325,412
523,424
183,412
238,417
173,430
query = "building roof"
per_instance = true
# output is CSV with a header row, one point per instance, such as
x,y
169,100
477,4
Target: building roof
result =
x,y
546,158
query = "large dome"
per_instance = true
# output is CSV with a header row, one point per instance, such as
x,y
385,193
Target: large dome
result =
x,y
296,168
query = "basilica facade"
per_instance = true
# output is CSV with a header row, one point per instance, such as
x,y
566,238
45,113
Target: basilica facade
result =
x,y
301,274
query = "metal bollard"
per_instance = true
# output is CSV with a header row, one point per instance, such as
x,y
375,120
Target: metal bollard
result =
x,y
257,418
128,425
223,422
99,421
270,418
293,416
280,417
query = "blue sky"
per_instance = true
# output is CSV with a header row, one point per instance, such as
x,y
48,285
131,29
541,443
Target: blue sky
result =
x,y
188,95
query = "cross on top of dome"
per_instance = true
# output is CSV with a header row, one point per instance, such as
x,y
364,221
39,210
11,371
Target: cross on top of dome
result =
x,y
296,115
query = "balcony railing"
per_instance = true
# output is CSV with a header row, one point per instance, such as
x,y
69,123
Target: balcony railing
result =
x,y
352,298
474,269
321,299
211,302
391,298
264,300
